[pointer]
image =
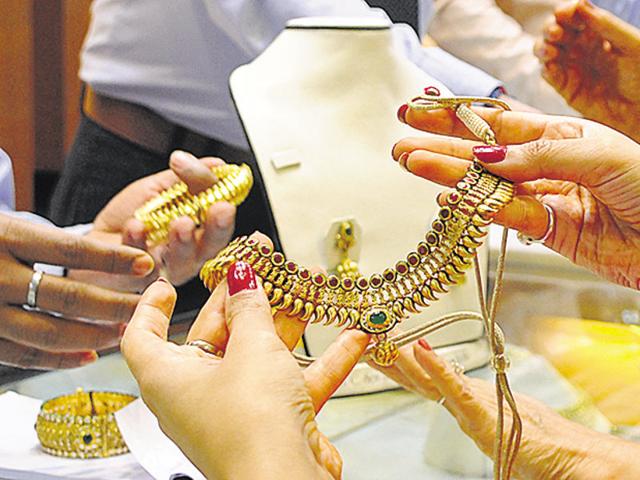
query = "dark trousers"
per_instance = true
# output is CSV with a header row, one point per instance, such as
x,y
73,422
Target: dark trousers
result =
x,y
100,164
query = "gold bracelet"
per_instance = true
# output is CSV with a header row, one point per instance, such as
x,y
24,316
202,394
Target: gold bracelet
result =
x,y
232,185
82,425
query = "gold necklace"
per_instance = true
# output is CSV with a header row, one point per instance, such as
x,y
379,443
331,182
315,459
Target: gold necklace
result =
x,y
377,304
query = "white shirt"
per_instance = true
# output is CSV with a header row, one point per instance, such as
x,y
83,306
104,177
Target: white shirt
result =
x,y
175,57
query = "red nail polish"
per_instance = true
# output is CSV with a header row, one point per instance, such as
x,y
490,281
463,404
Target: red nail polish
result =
x,y
490,153
423,343
393,149
88,357
433,91
241,277
402,112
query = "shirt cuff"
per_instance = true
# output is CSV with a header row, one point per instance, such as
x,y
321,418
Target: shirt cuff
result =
x,y
460,77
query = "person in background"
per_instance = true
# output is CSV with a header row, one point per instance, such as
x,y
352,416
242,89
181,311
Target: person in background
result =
x,y
79,284
156,76
591,58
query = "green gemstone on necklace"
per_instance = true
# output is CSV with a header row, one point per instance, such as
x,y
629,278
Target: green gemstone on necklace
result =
x,y
378,318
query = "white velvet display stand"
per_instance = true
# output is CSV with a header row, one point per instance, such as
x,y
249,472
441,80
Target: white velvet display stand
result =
x,y
319,110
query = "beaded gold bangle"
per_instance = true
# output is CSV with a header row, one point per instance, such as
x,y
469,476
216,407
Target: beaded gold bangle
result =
x,y
82,425
233,185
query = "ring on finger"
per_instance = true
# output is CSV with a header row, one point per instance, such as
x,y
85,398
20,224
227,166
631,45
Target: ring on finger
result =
x,y
206,347
34,285
551,223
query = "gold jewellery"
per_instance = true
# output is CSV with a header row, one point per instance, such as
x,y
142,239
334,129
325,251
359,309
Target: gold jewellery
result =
x,y
378,303
82,425
232,185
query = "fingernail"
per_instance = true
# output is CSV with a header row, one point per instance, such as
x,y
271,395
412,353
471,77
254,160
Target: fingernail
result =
x,y
490,153
163,279
402,160
88,357
178,159
423,343
143,265
393,149
241,277
433,91
402,112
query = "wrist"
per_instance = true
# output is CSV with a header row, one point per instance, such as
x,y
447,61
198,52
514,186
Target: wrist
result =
x,y
249,447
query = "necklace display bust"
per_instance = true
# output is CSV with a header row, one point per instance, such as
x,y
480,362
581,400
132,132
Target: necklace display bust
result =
x,y
319,110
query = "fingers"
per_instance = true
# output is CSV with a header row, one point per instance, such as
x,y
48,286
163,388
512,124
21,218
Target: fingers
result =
x,y
144,340
80,300
210,324
446,162
445,379
37,243
195,173
247,309
415,374
620,34
21,356
509,127
326,374
38,330
218,230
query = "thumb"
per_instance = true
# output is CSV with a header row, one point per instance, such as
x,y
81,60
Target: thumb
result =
x,y
196,174
145,338
247,310
575,160
619,33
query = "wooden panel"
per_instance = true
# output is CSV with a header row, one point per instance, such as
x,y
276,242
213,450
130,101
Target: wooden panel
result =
x,y
76,18
48,78
16,94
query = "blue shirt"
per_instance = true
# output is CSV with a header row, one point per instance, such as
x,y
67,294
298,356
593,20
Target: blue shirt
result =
x,y
627,10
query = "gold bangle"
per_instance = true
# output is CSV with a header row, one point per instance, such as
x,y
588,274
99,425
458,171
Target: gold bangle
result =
x,y
82,425
232,185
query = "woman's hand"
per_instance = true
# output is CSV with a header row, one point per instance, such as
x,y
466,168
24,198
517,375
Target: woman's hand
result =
x,y
252,413
591,58
552,446
188,247
37,339
587,173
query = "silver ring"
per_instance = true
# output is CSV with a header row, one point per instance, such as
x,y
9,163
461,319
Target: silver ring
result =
x,y
527,240
206,347
441,400
32,292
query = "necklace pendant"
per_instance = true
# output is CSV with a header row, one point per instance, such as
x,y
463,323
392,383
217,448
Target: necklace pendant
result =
x,y
385,352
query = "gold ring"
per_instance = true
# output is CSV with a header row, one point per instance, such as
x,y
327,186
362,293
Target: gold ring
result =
x,y
206,347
